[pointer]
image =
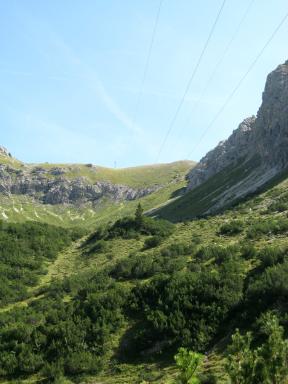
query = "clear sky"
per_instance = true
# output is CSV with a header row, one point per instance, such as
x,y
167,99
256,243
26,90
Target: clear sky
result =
x,y
71,73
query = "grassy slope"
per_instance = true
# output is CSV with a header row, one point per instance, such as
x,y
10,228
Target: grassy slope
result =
x,y
137,177
196,202
203,232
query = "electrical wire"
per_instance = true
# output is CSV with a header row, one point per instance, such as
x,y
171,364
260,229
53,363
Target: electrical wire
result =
x,y
231,95
179,106
219,62
148,58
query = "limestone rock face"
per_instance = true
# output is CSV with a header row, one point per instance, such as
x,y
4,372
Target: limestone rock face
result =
x,y
264,136
4,152
271,130
39,184
226,153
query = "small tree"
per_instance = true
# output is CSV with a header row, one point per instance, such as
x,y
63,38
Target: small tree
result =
x,y
189,364
240,366
139,217
273,353
266,364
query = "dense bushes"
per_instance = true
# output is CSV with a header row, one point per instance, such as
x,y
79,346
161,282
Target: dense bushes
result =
x,y
133,227
70,338
268,290
23,249
153,242
139,266
178,249
258,357
59,337
130,228
189,294
187,307
216,253
249,362
270,256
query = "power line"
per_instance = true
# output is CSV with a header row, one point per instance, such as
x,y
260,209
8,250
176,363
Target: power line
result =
x,y
252,65
172,123
219,62
147,63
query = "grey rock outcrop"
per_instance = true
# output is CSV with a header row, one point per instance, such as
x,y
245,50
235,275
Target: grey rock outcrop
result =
x,y
4,152
228,152
38,183
264,136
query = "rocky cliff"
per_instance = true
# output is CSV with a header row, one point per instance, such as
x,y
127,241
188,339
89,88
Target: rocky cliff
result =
x,y
52,187
260,140
4,152
78,184
62,190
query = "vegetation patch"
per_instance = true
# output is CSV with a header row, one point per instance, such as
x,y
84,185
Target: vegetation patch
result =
x,y
231,228
24,250
270,226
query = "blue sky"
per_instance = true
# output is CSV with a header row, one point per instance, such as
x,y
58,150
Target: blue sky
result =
x,y
71,72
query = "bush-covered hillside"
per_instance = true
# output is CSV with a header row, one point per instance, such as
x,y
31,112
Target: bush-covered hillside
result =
x,y
24,251
132,292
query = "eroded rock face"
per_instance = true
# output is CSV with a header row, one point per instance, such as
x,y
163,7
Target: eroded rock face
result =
x,y
271,130
60,190
265,136
226,153
4,152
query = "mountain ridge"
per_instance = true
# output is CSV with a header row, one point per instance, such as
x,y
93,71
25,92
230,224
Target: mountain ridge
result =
x,y
82,193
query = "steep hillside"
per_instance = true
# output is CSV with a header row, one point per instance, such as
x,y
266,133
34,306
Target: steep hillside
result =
x,y
115,306
254,155
76,194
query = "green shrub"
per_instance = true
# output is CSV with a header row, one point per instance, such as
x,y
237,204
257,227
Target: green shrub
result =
x,y
270,256
278,206
99,247
265,363
139,266
231,229
178,249
208,378
153,242
268,290
248,251
81,362
267,227
54,372
217,253
132,228
189,364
